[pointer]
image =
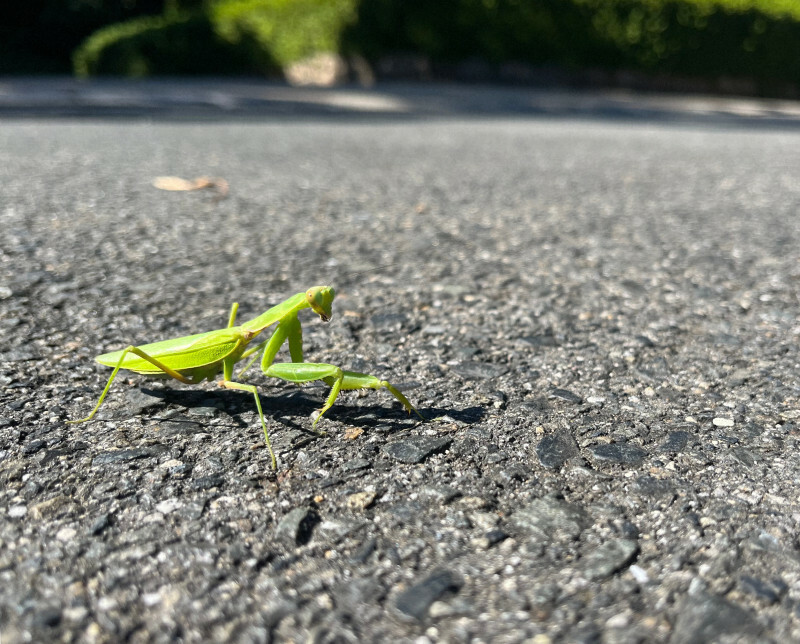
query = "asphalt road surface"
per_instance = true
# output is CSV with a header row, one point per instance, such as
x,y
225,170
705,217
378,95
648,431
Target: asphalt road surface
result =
x,y
592,299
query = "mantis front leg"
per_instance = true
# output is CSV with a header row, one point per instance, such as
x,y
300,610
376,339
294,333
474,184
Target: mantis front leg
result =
x,y
297,371
338,380
287,329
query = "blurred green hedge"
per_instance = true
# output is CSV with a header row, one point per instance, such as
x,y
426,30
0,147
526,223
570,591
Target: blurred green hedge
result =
x,y
289,30
178,44
759,39
755,39
224,36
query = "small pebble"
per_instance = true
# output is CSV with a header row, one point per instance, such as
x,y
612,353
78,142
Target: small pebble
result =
x,y
17,511
151,599
66,534
106,603
551,519
624,453
296,526
360,500
556,449
170,505
478,370
565,394
609,557
417,448
722,422
639,574
416,601
75,613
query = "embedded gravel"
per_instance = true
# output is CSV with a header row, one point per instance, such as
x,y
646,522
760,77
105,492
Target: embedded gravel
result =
x,y
598,318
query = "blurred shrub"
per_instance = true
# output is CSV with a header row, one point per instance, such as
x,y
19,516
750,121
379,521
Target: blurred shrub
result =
x,y
746,38
289,30
178,43
707,38
451,30
224,36
759,39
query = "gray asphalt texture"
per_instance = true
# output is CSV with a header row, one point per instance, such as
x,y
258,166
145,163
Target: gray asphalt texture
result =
x,y
596,313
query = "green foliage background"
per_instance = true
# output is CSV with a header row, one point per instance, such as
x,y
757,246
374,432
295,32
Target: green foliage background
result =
x,y
759,39
753,39
39,36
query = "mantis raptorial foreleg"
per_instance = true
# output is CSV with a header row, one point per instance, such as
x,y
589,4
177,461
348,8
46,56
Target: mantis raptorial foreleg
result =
x,y
288,329
298,371
336,378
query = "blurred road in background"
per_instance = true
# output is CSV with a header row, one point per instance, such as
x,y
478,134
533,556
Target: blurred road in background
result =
x,y
186,99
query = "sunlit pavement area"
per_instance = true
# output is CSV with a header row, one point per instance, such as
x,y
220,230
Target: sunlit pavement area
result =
x,y
592,297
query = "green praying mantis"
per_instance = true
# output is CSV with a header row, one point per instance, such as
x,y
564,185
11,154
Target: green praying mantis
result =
x,y
194,358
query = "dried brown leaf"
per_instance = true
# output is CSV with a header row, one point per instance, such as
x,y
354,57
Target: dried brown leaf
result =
x,y
351,433
173,183
200,183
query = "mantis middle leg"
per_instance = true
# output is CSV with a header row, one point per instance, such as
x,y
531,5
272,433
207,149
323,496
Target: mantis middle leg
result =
x,y
228,383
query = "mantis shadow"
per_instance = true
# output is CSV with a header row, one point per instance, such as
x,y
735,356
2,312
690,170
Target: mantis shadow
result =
x,y
288,408
388,415
293,409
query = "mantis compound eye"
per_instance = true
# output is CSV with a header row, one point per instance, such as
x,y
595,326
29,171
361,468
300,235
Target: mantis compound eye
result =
x,y
320,299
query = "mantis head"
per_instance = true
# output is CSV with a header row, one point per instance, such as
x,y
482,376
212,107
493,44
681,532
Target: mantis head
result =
x,y
320,299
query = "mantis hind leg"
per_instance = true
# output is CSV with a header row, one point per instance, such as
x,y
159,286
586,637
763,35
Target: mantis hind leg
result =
x,y
135,350
336,378
230,384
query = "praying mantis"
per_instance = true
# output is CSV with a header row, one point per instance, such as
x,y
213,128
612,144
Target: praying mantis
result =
x,y
194,358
